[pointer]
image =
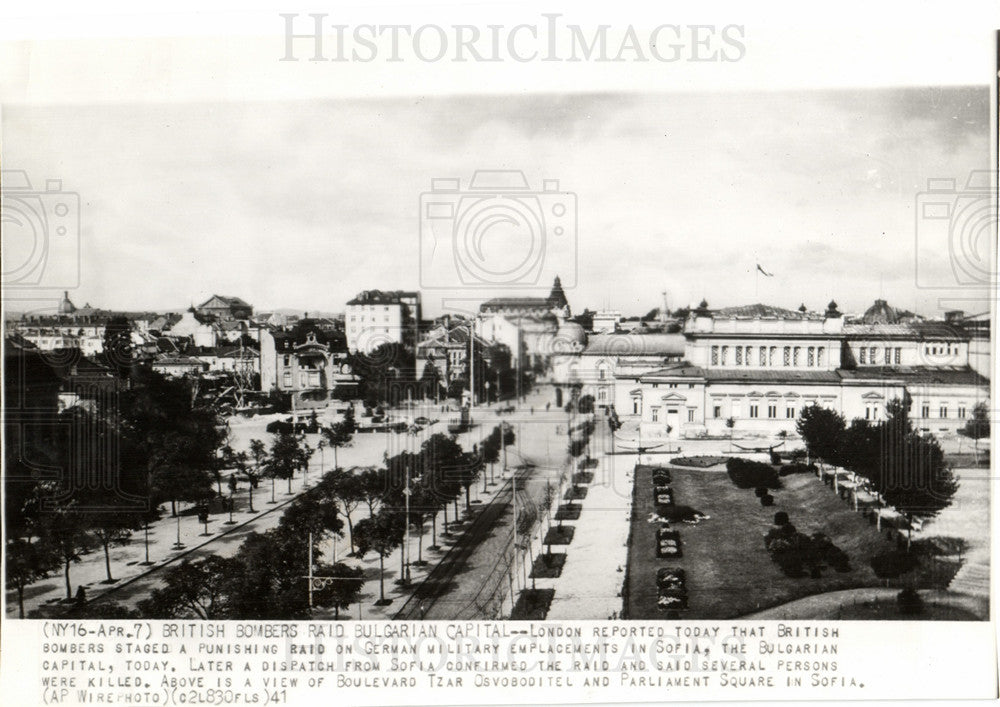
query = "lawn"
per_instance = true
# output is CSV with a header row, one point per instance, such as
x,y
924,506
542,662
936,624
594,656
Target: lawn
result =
x,y
729,572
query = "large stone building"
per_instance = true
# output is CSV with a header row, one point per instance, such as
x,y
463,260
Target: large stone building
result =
x,y
67,326
446,348
529,326
306,362
223,309
760,365
377,317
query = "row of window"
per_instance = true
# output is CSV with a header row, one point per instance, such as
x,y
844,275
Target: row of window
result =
x,y
363,318
797,356
655,413
772,411
872,412
869,355
961,411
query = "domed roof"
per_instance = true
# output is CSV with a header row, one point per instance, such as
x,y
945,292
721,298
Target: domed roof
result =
x,y
880,313
66,306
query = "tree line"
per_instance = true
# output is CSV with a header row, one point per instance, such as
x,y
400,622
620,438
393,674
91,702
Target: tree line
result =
x,y
905,467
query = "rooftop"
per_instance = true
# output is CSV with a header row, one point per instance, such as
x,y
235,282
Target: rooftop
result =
x,y
947,375
635,345
762,311
382,297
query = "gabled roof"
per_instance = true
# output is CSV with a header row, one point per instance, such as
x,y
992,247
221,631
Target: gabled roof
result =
x,y
228,301
635,345
457,336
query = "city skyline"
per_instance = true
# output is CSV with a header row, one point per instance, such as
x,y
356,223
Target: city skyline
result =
x,y
267,201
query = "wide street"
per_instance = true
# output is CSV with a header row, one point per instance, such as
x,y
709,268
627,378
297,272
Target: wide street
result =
x,y
540,445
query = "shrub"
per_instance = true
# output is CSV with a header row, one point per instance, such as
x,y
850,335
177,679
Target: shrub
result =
x,y
892,564
909,602
775,457
747,474
781,518
767,500
760,492
798,554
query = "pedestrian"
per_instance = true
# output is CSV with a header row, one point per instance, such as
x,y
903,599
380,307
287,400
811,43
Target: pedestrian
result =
x,y
532,409
547,406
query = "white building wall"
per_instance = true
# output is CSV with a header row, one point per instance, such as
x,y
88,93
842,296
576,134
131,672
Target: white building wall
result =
x,y
369,325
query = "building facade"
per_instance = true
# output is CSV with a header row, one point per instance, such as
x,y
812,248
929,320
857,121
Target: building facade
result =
x,y
377,317
307,363
752,370
224,309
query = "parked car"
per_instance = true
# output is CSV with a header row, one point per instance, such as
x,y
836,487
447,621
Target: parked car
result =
x,y
422,421
661,477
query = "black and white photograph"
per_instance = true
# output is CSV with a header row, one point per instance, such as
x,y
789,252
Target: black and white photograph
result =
x,y
697,354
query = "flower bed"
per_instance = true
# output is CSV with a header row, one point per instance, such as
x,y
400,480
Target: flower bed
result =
x,y
532,605
548,566
699,461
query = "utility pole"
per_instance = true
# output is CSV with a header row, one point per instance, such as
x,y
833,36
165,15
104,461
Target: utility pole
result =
x,y
472,374
406,521
310,571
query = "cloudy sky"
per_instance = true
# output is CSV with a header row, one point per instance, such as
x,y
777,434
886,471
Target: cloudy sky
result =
x,y
302,204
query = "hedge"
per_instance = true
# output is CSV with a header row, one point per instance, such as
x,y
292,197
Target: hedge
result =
x,y
747,474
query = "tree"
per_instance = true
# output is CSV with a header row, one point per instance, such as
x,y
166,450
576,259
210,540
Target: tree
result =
x,y
117,346
259,454
345,588
822,431
916,481
490,451
343,487
27,562
978,426
267,580
287,455
197,589
378,369
585,405
372,487
339,434
380,533
65,529
431,382
168,439
311,513
113,528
